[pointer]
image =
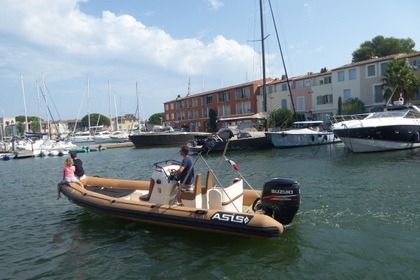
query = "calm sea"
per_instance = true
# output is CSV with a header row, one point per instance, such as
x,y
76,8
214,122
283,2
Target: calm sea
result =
x,y
359,219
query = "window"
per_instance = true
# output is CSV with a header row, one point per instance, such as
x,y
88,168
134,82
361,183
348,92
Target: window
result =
x,y
172,106
179,105
371,70
324,99
347,94
205,112
340,76
327,80
415,63
172,116
208,99
243,107
352,74
378,94
283,87
166,107
299,84
181,116
243,93
192,103
300,103
271,89
283,104
223,110
223,96
384,67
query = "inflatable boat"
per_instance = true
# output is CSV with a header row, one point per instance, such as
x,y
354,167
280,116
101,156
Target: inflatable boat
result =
x,y
208,207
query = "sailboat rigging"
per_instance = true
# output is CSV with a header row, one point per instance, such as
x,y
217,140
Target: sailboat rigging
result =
x,y
282,57
264,88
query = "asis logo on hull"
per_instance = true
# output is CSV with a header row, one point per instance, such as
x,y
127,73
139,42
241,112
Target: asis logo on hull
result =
x,y
231,217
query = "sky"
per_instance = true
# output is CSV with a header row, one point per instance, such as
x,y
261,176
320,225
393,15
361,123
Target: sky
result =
x,y
113,56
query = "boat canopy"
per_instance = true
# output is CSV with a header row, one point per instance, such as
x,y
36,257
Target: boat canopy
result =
x,y
258,116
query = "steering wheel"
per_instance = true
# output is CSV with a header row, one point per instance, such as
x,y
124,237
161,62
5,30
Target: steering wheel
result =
x,y
171,176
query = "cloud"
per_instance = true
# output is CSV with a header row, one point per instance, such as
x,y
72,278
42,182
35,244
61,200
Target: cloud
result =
x,y
63,28
308,9
215,4
58,39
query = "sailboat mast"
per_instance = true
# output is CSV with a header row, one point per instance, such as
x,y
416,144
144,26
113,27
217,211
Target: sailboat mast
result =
x,y
88,101
44,94
139,110
264,88
39,106
110,105
24,104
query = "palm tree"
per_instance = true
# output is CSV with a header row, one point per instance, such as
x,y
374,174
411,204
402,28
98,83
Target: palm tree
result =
x,y
399,80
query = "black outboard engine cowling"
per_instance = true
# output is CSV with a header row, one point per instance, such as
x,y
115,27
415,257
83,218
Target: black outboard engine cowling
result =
x,y
281,199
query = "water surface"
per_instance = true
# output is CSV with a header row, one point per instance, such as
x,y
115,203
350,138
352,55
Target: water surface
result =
x,y
359,218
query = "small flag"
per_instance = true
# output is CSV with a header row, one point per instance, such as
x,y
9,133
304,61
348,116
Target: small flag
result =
x,y
234,165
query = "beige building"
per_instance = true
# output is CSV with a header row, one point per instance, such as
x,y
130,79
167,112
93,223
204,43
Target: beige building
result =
x,y
316,94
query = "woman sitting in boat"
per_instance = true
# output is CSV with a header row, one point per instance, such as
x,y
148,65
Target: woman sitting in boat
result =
x,y
78,164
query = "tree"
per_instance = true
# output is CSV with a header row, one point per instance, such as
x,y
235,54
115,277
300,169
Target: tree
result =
x,y
96,119
20,129
381,46
399,80
157,118
22,118
212,120
34,121
283,118
340,106
353,106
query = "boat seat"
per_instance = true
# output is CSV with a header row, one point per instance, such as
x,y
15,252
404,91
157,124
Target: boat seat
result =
x,y
204,190
209,182
146,197
227,198
190,195
215,199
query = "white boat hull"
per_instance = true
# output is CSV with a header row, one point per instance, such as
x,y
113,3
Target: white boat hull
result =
x,y
360,145
285,139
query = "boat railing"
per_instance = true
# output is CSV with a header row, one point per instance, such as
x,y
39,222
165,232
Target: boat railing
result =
x,y
342,118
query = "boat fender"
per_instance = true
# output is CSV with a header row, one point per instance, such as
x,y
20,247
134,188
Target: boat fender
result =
x,y
416,137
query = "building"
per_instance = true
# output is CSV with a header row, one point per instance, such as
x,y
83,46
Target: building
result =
x,y
315,95
7,128
193,111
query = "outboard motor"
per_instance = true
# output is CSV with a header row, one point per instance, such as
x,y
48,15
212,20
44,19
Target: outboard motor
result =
x,y
281,199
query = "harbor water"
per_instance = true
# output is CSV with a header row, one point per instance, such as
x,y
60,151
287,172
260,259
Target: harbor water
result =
x,y
359,219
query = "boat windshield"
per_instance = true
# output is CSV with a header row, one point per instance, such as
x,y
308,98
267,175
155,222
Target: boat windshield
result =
x,y
390,114
308,124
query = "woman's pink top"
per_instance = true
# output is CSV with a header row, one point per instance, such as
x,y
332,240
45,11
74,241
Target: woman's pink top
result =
x,y
69,171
